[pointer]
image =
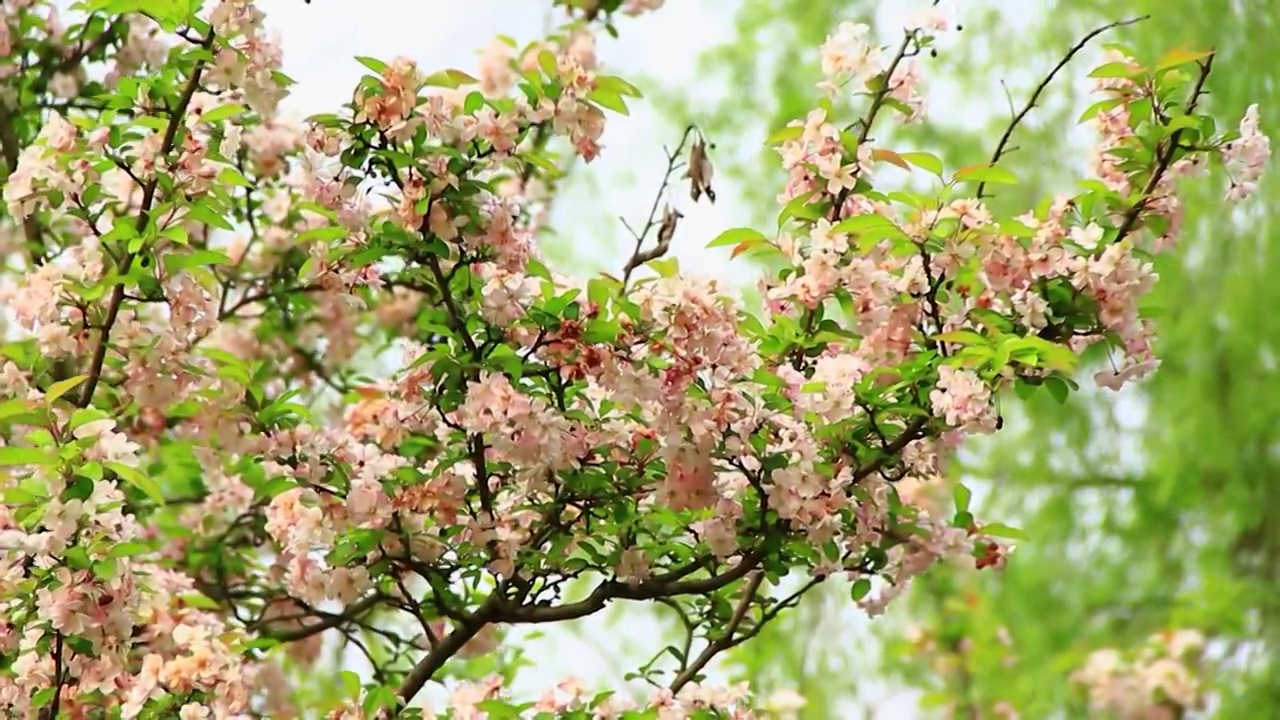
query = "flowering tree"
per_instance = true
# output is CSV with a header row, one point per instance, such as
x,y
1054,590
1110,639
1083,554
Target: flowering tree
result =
x,y
202,486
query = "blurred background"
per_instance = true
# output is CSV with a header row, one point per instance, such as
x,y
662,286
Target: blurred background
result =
x,y
1146,510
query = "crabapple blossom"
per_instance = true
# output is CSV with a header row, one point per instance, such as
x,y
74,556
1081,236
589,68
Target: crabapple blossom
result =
x,y
1156,678
274,387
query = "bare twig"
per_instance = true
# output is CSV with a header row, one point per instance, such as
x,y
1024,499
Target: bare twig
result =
x,y
1035,96
673,164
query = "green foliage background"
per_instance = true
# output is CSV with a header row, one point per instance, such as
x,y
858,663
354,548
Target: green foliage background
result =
x,y
1148,509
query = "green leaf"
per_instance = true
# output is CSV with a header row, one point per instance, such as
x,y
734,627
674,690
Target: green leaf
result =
x,y
924,161
547,62
1003,531
985,174
864,223
963,495
1098,107
208,217
860,589
1115,70
1058,388
350,683
16,406
449,79
11,456
223,112
42,697
62,387
961,337
609,101
198,600
84,416
734,236
617,85
474,102
665,267
798,207
177,262
785,134
1181,56
130,475
232,176
128,549
328,233
177,234
373,64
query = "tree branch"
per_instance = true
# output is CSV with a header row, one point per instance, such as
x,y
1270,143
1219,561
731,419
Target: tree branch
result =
x,y
1035,96
329,621
1164,159
673,162
126,262
651,589
722,643
9,143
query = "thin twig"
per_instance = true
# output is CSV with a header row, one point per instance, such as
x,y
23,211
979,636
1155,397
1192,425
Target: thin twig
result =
x,y
877,102
785,604
725,641
673,164
329,621
1035,96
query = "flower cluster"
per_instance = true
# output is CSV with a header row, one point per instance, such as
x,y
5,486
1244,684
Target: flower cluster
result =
x,y
1160,678
1246,156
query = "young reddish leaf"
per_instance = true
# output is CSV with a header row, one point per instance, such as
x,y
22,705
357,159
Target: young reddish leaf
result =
x,y
746,245
890,156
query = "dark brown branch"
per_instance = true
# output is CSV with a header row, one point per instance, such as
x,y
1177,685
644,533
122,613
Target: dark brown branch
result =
x,y
329,621
1001,147
910,433
1164,157
785,604
9,145
877,102
126,262
448,646
651,589
724,642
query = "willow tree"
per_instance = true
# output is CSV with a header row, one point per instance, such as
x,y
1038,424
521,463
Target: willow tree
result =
x,y
1148,507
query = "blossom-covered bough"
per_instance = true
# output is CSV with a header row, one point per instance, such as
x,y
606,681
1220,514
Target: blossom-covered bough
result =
x,y
203,490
